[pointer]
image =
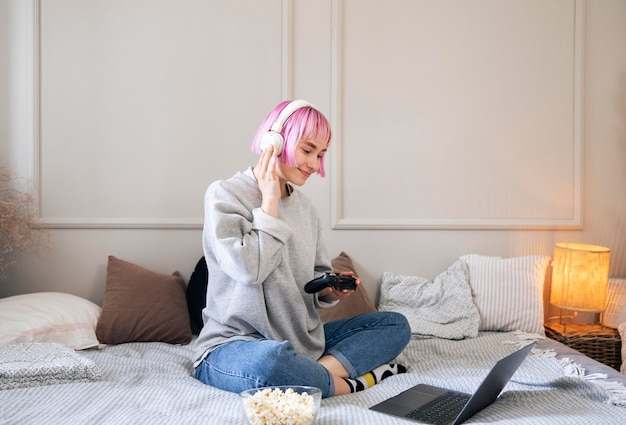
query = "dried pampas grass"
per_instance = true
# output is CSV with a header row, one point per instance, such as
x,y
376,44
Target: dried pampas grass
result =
x,y
19,227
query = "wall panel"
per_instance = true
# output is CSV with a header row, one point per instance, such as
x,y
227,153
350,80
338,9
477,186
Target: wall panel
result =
x,y
141,102
457,114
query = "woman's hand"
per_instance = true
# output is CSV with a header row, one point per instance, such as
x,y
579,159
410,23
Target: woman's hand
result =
x,y
340,294
268,181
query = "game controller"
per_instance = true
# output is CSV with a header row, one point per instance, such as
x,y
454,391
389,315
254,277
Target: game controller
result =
x,y
333,280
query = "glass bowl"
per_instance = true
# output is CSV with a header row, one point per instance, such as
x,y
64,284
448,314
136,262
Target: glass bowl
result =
x,y
282,405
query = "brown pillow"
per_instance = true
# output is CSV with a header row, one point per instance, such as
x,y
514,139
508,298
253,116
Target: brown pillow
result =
x,y
141,305
357,303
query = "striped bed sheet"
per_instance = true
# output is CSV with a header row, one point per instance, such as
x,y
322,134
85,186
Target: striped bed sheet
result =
x,y
153,383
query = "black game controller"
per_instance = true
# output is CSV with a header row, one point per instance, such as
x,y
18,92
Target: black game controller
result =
x,y
333,280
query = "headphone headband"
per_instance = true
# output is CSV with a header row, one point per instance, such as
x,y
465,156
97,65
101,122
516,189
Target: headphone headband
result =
x,y
289,109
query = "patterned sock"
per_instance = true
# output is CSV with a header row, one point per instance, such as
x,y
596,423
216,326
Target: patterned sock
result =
x,y
373,377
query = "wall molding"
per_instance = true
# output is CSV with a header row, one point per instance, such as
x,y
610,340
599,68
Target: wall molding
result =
x,y
339,218
35,137
33,118
123,223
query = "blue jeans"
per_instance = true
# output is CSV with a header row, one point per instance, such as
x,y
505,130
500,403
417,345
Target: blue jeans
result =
x,y
359,343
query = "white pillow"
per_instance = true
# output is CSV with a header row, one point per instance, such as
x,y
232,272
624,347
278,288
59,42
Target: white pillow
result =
x,y
615,312
508,292
622,333
442,308
49,317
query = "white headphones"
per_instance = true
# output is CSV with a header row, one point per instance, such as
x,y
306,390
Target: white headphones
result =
x,y
273,137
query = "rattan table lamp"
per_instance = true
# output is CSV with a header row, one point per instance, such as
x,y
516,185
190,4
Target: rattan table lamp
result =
x,y
580,274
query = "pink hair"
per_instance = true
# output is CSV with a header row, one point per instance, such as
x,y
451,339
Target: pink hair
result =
x,y
305,123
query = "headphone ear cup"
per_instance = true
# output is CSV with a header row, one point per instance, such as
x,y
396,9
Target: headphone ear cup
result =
x,y
272,138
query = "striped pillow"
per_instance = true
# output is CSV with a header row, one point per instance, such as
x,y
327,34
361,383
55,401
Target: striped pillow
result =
x,y
508,292
622,331
615,313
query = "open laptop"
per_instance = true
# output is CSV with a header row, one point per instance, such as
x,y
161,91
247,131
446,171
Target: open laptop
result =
x,y
439,406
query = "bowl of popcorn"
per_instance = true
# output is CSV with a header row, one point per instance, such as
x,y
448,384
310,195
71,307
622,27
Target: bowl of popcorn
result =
x,y
282,405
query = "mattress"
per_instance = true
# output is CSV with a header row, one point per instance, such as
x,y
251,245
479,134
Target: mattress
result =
x,y
153,383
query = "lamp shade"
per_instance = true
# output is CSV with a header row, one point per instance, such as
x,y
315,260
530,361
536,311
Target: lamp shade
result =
x,y
580,275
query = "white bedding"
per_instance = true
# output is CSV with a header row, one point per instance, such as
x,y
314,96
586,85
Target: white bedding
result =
x,y
152,383
43,363
442,308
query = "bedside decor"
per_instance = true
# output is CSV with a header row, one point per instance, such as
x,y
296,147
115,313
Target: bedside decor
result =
x,y
19,229
599,342
580,277
579,283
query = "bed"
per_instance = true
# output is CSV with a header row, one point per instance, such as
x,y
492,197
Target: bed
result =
x,y
56,368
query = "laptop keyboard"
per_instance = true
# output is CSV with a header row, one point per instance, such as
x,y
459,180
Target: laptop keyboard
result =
x,y
442,409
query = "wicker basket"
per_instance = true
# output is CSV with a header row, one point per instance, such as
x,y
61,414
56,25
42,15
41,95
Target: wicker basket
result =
x,y
596,341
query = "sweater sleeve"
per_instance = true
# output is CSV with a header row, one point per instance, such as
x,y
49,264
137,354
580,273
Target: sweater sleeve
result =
x,y
247,241
322,265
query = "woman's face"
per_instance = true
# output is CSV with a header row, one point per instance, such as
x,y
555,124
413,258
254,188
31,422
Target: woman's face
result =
x,y
308,156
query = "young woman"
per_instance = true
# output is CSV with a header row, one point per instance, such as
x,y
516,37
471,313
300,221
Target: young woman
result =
x,y
262,242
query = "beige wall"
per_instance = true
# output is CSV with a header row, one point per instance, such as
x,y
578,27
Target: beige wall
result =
x,y
122,112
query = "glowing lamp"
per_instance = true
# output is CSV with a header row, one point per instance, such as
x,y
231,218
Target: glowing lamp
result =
x,y
580,275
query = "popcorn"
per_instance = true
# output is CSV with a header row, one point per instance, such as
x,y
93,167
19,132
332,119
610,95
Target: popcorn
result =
x,y
275,407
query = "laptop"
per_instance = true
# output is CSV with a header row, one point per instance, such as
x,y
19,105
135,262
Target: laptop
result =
x,y
439,406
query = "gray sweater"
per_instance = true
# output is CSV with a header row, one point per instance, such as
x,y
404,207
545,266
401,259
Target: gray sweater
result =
x,y
258,266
